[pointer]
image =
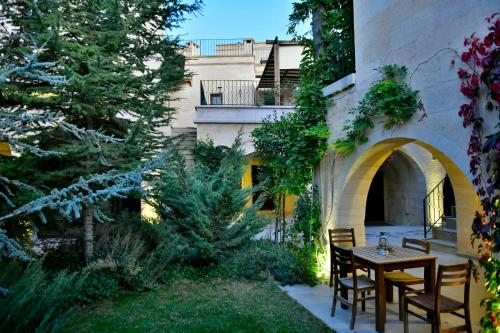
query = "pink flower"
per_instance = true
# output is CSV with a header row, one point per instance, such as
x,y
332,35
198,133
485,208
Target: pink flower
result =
x,y
488,39
463,74
474,81
465,56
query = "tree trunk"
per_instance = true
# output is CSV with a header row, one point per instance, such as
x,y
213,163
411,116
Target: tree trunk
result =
x,y
88,233
277,227
283,219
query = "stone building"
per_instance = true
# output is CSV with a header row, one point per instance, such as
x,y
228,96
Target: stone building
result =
x,y
235,84
417,173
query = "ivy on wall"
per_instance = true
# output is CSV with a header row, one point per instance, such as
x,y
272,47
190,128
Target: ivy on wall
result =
x,y
390,100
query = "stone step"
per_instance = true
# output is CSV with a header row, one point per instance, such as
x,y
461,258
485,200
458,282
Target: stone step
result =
x,y
442,245
187,136
449,235
450,222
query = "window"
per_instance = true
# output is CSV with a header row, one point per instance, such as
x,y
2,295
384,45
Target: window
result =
x,y
257,172
216,99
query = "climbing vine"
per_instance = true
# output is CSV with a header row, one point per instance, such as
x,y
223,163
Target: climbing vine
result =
x,y
481,84
390,100
293,145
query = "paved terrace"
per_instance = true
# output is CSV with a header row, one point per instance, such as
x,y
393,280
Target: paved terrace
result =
x,y
318,299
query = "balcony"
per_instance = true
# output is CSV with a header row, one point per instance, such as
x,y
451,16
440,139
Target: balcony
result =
x,y
245,92
226,48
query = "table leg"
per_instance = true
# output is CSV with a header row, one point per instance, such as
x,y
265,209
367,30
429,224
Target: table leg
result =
x,y
430,280
389,292
380,299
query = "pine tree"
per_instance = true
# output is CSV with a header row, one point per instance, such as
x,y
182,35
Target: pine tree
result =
x,y
120,69
207,208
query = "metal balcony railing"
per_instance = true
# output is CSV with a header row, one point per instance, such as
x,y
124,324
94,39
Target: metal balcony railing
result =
x,y
228,92
217,47
243,92
225,47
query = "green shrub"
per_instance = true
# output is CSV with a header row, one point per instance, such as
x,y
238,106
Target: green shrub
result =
x,y
36,301
158,264
116,263
99,284
68,255
208,154
264,259
206,209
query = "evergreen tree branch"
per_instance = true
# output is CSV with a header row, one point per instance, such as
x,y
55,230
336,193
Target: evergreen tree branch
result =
x,y
69,201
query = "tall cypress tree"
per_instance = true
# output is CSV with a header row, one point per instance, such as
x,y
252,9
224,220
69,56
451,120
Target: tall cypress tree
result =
x,y
120,69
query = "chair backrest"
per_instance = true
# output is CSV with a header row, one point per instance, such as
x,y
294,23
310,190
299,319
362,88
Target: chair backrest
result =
x,y
416,244
343,260
453,275
342,236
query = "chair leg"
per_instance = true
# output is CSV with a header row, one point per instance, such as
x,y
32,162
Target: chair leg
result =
x,y
401,296
405,316
369,276
353,314
331,276
334,302
436,322
467,320
363,301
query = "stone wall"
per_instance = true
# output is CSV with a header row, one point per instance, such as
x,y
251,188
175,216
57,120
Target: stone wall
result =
x,y
425,36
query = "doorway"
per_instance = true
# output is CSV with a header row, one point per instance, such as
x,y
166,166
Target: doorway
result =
x,y
375,212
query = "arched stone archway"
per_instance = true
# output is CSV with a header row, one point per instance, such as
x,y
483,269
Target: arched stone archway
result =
x,y
396,192
352,177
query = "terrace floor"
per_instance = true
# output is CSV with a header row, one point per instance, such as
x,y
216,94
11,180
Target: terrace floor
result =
x,y
318,299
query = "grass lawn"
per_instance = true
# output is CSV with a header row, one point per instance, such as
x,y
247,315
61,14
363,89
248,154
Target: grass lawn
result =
x,y
190,306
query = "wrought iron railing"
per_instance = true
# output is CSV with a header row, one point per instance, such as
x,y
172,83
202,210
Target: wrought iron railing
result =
x,y
243,92
217,47
434,207
228,92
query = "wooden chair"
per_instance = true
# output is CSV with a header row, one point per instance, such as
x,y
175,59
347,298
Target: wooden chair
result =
x,y
435,303
401,279
340,236
343,260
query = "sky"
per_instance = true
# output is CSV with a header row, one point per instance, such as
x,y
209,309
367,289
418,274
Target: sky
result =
x,y
258,19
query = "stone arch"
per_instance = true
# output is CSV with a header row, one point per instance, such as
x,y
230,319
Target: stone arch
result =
x,y
356,172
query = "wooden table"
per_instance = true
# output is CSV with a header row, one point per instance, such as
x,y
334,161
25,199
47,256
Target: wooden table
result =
x,y
398,258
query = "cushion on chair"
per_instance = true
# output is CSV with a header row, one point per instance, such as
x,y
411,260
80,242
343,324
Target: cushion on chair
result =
x,y
402,277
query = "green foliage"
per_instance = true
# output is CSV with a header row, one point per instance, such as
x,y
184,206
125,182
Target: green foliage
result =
x,y
206,208
390,101
491,267
258,260
67,256
334,44
295,143
36,301
127,257
208,154
99,284
305,232
307,219
103,48
263,259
